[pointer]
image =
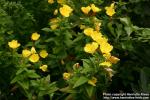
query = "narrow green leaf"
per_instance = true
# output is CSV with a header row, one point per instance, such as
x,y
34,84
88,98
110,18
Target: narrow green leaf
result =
x,y
20,71
125,21
80,81
46,29
32,74
90,90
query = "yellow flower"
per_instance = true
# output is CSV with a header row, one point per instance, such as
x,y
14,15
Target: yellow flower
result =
x,y
14,44
44,68
53,27
96,36
55,11
88,31
43,54
107,55
33,51
94,8
106,63
65,10
91,47
92,81
86,10
60,1
103,41
113,59
106,48
54,23
26,53
35,36
34,58
51,1
54,20
66,76
110,11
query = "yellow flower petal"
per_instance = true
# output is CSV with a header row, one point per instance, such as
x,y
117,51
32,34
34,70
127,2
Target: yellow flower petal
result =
x,y
54,23
106,48
96,36
26,53
113,59
92,81
106,63
110,11
44,68
53,27
55,11
65,10
66,75
33,51
14,44
86,10
107,55
94,8
54,20
43,54
88,31
50,1
35,36
91,47
60,1
34,58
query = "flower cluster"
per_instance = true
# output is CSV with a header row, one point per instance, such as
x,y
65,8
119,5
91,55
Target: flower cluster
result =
x,y
31,54
54,23
92,7
99,43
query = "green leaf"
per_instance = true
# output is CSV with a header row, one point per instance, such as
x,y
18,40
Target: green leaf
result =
x,y
53,89
111,29
90,90
32,74
17,78
68,90
86,66
24,84
146,32
125,21
80,81
46,29
128,29
143,81
34,83
47,79
86,62
20,71
48,89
